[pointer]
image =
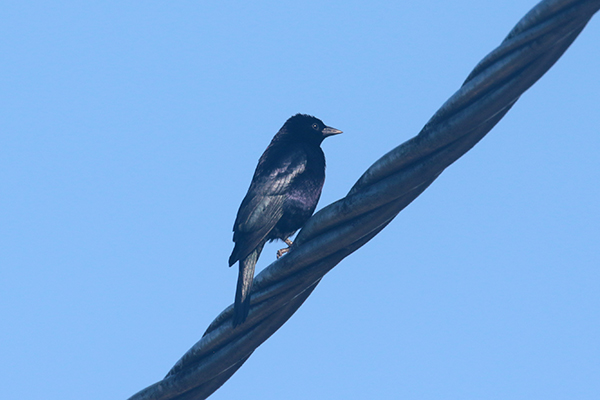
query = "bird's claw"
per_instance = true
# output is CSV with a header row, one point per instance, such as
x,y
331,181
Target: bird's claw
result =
x,y
281,252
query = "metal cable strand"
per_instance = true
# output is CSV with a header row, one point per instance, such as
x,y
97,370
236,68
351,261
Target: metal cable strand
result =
x,y
387,187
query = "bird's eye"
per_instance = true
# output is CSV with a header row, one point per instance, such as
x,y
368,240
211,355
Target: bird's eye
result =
x,y
315,127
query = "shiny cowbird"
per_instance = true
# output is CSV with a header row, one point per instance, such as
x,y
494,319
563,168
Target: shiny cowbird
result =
x,y
282,196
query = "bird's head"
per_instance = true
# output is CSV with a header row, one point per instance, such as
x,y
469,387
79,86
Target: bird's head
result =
x,y
306,128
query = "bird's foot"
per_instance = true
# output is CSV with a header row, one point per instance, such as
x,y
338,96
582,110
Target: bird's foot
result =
x,y
287,249
281,252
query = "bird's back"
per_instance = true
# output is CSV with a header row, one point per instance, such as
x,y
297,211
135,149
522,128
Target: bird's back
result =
x,y
283,172
302,196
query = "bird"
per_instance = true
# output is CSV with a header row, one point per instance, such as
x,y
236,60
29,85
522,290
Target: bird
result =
x,y
283,194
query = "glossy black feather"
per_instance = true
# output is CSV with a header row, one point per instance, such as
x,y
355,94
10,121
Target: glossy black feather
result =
x,y
283,194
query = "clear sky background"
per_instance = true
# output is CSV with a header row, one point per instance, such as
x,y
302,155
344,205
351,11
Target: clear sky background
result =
x,y
129,132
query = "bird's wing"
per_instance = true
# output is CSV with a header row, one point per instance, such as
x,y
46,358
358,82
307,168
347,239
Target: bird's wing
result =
x,y
262,207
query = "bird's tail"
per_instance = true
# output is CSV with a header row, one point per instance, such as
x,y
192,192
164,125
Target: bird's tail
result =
x,y
241,306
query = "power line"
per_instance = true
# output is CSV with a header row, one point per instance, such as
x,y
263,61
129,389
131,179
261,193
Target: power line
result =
x,y
387,187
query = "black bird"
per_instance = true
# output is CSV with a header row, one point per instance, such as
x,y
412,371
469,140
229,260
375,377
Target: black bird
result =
x,y
282,196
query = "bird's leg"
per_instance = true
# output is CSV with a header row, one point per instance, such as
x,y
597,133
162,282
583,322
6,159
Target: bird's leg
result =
x,y
283,251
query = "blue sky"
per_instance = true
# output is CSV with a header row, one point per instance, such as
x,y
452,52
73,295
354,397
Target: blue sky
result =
x,y
129,133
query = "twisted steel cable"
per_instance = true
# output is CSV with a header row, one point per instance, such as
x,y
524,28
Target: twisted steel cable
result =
x,y
387,187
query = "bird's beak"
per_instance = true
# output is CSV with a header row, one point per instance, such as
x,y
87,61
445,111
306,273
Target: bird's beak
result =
x,y
329,131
